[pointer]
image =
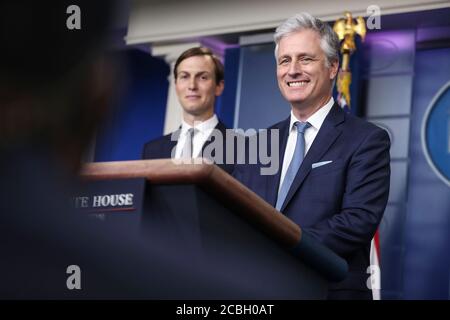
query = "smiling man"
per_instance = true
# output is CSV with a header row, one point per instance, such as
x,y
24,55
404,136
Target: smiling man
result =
x,y
334,178
304,72
199,79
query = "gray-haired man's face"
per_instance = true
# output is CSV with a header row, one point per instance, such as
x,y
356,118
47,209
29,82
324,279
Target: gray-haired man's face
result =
x,y
303,77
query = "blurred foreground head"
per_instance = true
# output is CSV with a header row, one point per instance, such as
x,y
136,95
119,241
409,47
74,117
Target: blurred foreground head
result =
x,y
54,81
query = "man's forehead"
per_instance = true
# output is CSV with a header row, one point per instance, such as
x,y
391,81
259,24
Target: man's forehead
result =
x,y
303,42
305,37
204,63
194,71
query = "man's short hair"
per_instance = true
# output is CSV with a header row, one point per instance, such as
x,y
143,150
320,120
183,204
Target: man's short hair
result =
x,y
201,51
329,41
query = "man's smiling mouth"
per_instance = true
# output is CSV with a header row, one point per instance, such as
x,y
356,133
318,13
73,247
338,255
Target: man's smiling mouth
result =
x,y
297,83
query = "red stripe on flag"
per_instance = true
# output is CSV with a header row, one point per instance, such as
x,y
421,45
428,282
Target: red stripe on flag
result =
x,y
377,244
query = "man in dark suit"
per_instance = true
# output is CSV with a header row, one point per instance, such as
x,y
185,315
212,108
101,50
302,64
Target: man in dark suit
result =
x,y
50,104
333,179
199,79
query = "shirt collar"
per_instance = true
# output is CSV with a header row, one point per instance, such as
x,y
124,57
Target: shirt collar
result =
x,y
317,118
203,127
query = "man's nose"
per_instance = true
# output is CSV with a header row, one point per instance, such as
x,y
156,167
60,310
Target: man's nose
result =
x,y
294,68
192,84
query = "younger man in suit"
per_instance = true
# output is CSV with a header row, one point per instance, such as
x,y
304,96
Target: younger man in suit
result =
x,y
199,79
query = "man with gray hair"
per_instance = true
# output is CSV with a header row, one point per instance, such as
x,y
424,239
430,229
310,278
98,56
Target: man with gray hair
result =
x,y
334,178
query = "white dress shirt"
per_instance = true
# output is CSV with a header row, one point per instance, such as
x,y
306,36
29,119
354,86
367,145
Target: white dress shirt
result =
x,y
316,121
202,132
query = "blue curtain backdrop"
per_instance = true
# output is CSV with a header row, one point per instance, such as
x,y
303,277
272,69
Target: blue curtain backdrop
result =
x,y
225,105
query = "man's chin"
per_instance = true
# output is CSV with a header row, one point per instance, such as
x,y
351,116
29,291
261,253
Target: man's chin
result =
x,y
297,101
194,111
296,96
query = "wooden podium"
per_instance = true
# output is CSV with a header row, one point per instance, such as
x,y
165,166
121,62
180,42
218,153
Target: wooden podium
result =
x,y
221,224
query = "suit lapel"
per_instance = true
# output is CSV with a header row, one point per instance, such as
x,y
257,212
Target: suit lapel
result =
x,y
170,144
221,127
273,181
325,138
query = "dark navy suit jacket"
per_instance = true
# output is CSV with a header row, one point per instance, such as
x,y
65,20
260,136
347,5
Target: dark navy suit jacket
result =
x,y
161,148
340,204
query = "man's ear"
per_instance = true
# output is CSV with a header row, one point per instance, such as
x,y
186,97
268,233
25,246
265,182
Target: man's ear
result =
x,y
219,88
334,68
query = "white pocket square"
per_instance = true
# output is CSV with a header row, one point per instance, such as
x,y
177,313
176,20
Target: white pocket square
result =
x,y
319,164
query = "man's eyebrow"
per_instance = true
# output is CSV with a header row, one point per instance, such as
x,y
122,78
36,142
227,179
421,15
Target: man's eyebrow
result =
x,y
283,57
299,56
202,73
195,73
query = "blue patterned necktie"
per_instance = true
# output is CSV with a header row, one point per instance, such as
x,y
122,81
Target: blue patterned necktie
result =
x,y
296,161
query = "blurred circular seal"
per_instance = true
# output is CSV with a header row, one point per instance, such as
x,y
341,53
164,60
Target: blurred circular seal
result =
x,y
436,134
